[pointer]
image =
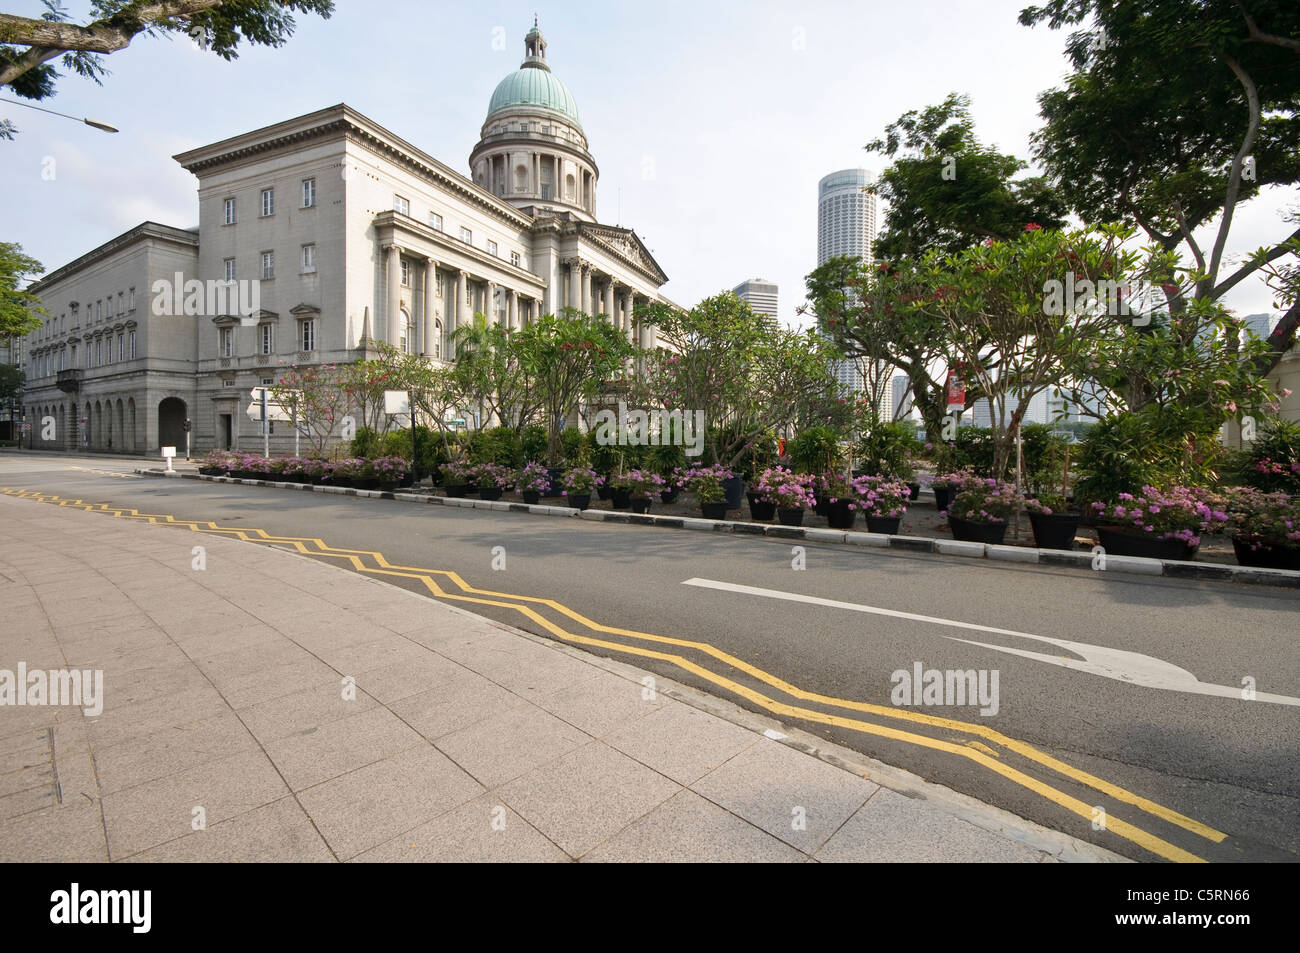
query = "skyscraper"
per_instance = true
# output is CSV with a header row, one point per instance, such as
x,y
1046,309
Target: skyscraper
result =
x,y
846,215
846,225
761,295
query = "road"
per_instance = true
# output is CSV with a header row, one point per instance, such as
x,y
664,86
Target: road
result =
x,y
1128,730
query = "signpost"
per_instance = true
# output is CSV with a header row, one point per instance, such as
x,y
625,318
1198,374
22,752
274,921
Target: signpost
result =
x,y
188,426
168,453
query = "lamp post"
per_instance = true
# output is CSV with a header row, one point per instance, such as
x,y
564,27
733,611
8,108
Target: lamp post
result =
x,y
89,122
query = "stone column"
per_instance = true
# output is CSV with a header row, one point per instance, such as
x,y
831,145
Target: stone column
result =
x,y
631,316
587,305
575,279
512,312
394,293
428,313
490,303
461,292
609,300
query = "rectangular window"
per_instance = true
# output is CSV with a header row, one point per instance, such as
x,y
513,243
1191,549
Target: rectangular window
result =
x,y
130,300
406,273
268,264
308,193
268,201
230,269
72,355
515,259
546,193
309,335
226,342
130,344
401,206
266,339
440,291
308,257
121,302
492,248
466,236
99,351
227,382
435,221
121,347
230,211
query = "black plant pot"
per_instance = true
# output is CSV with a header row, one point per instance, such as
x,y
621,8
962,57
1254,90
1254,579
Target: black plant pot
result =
x,y
605,491
1260,554
457,491
640,505
884,524
916,490
714,511
975,532
839,516
1121,542
821,505
579,501
557,484
212,471
669,496
621,499
1054,531
735,490
790,517
490,492
943,497
532,497
761,511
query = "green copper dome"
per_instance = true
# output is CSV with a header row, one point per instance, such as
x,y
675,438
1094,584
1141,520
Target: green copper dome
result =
x,y
535,86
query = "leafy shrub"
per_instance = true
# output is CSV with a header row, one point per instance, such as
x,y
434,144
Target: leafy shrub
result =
x,y
498,445
887,450
816,450
1273,462
1157,446
533,441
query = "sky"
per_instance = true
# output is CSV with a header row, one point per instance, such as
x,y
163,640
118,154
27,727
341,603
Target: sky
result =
x,y
711,121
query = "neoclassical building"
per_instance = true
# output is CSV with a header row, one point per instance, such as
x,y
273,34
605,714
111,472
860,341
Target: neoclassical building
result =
x,y
318,236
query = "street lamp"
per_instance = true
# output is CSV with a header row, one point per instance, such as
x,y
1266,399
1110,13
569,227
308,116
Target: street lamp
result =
x,y
89,122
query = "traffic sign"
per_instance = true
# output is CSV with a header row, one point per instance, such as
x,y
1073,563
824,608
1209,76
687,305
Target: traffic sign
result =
x,y
273,410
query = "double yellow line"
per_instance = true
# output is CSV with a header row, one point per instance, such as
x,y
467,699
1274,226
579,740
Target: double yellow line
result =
x,y
972,749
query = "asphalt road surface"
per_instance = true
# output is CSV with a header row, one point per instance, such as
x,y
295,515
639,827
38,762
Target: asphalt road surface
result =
x,y
1129,729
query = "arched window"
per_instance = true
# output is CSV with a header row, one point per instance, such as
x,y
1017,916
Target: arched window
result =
x,y
406,336
437,339
569,185
521,178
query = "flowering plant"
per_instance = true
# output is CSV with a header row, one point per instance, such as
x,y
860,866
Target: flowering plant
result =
x,y
1178,513
219,460
581,480
1047,504
706,483
955,480
641,483
346,471
386,469
533,478
881,496
985,501
458,473
1261,518
493,475
787,489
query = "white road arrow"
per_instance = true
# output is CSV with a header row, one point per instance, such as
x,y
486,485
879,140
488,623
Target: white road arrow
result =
x,y
1118,664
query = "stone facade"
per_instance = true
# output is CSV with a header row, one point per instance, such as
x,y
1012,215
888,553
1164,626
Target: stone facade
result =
x,y
316,237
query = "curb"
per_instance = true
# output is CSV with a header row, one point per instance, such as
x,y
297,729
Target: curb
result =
x,y
1128,565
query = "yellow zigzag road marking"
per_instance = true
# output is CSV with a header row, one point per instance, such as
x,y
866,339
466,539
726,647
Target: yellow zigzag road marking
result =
x,y
120,476
972,750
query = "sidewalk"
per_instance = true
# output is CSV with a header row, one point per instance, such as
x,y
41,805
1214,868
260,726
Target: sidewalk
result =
x,y
223,708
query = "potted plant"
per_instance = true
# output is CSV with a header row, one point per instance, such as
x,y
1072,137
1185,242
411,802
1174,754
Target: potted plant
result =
x,y
533,481
389,472
947,485
883,501
346,473
620,491
672,485
841,497
1265,527
458,477
980,510
641,485
578,483
493,480
217,463
1158,524
790,492
1053,522
707,483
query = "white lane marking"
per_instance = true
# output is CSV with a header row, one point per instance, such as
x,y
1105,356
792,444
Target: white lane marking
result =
x,y
1118,664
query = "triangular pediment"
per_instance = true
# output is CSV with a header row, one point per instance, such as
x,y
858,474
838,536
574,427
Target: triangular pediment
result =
x,y
624,242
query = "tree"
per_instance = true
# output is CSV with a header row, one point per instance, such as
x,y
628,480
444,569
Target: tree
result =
x,y
488,372
18,308
27,45
314,395
569,357
749,378
948,191
1175,114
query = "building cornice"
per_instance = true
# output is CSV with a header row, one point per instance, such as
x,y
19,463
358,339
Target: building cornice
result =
x,y
343,122
145,230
